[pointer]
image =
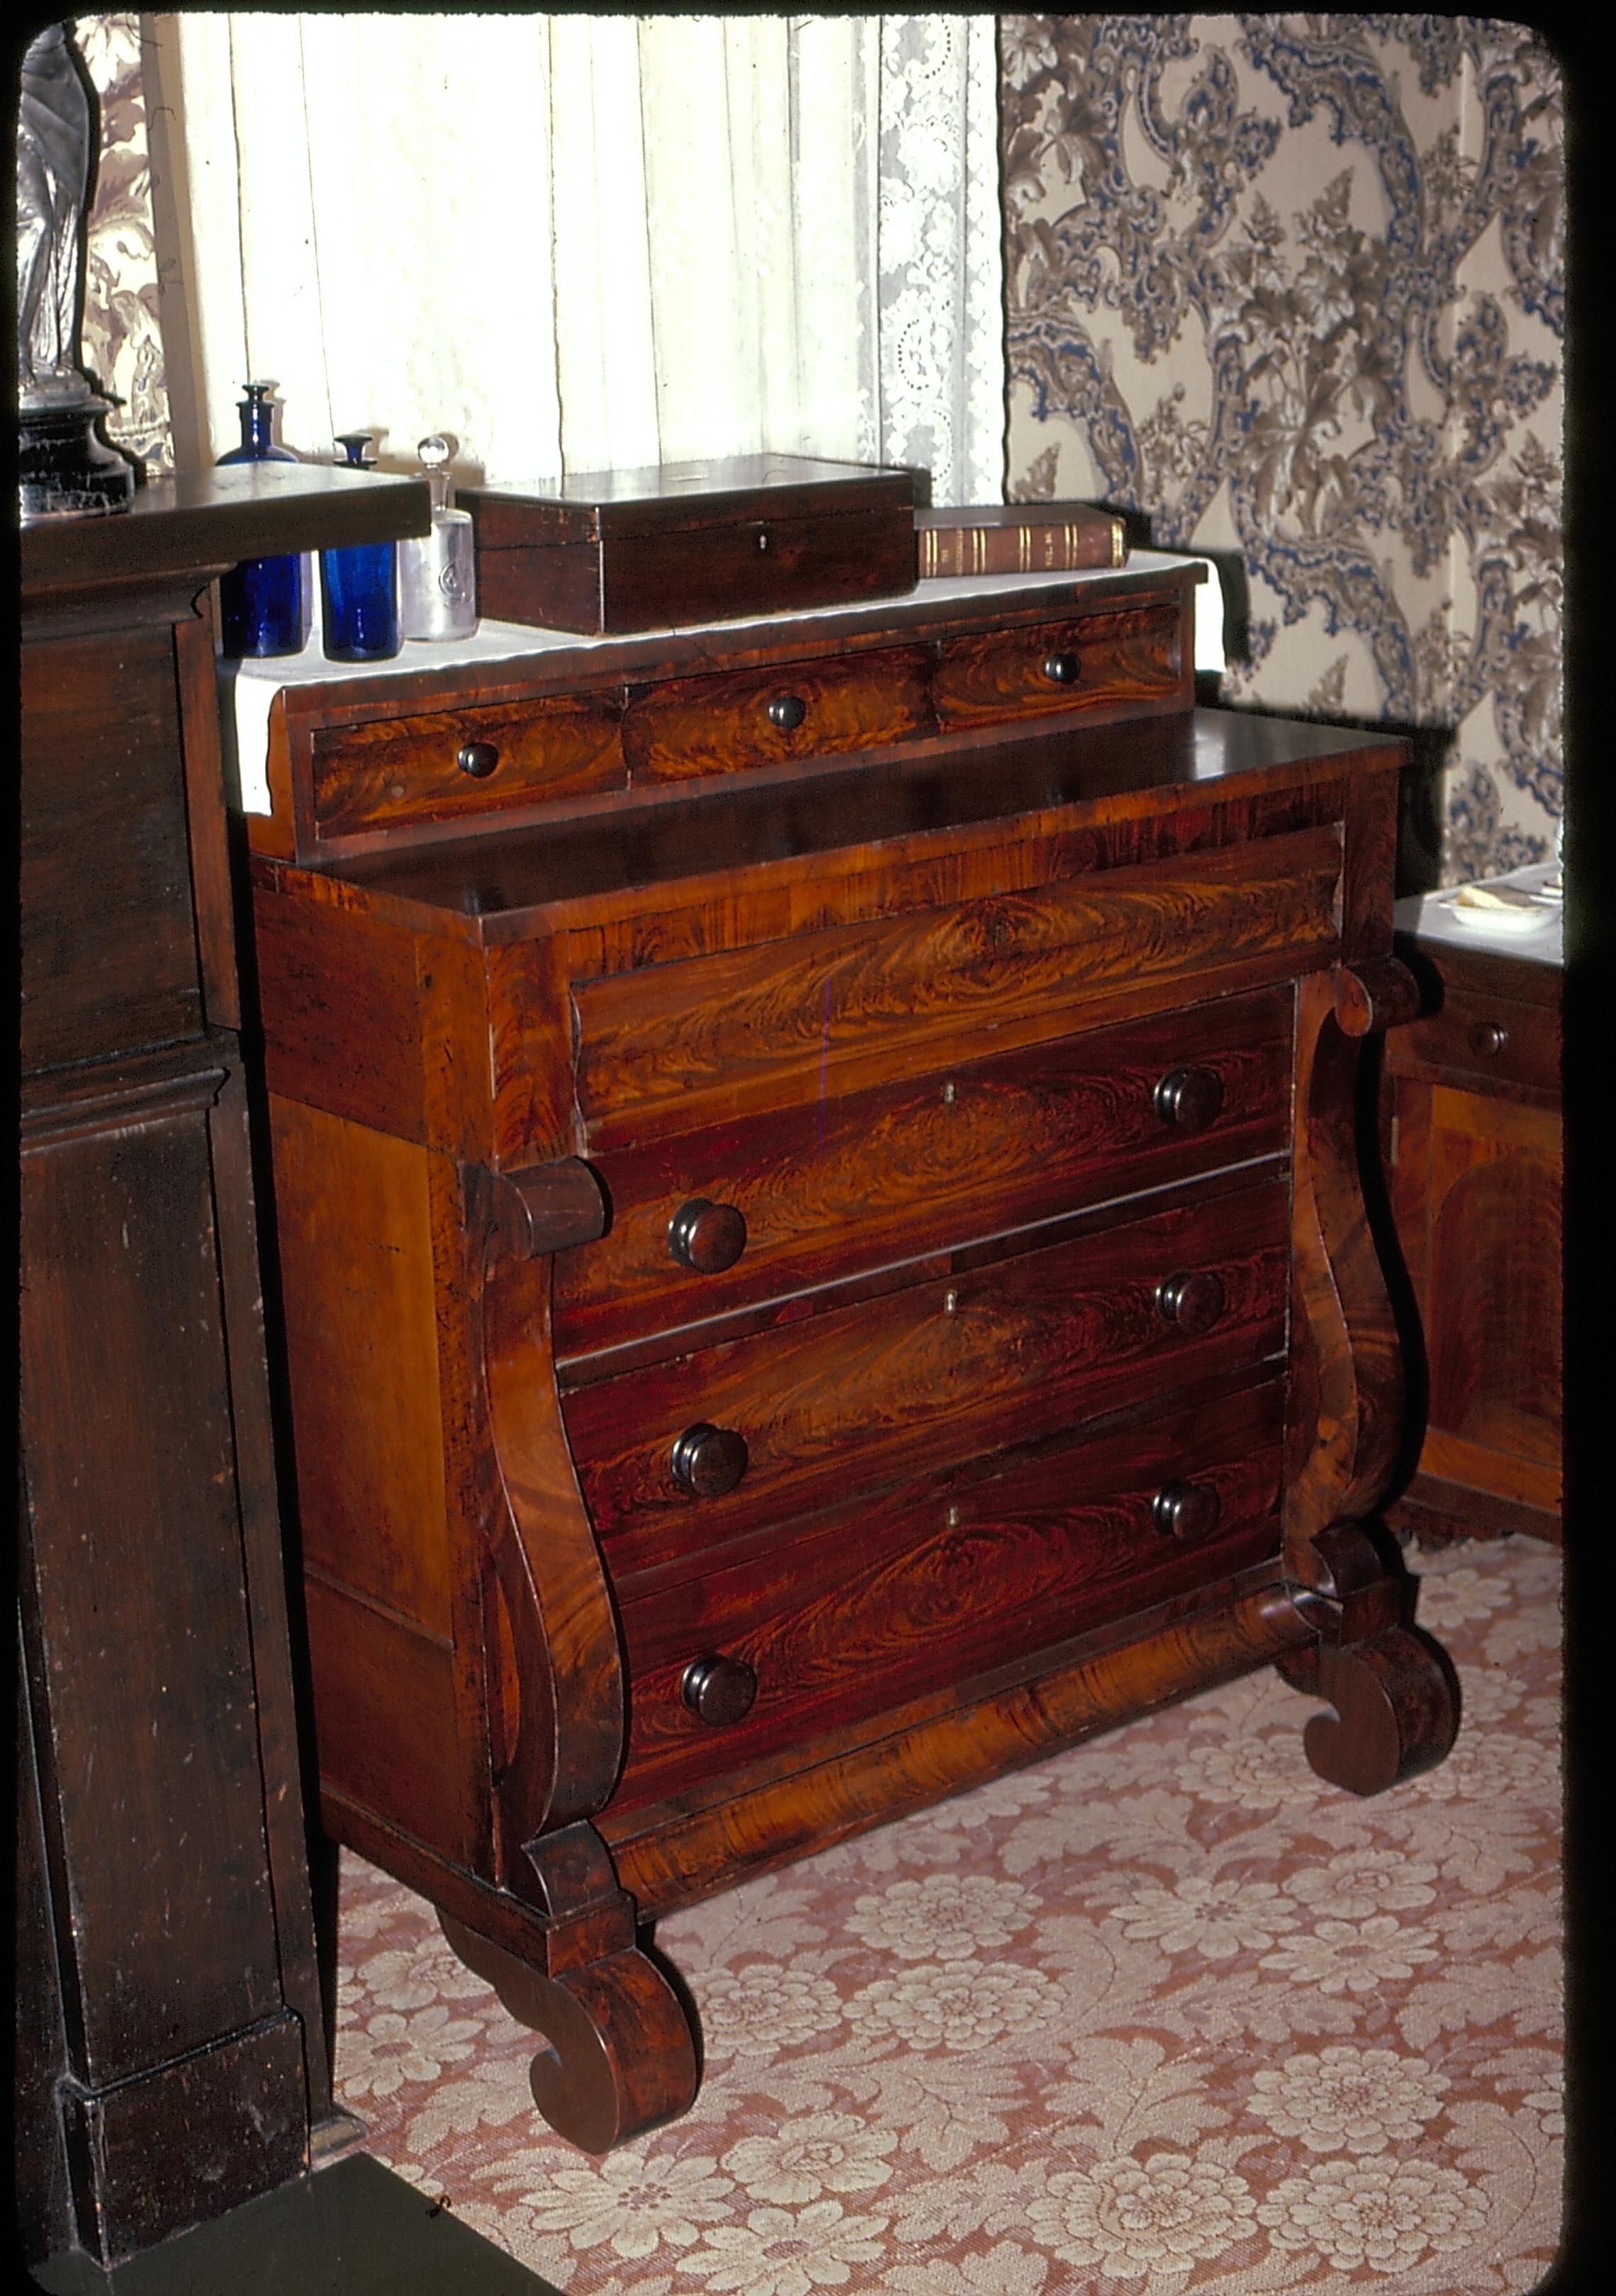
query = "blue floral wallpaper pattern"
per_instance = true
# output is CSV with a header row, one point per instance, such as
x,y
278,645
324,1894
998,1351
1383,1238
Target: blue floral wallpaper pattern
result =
x,y
1291,285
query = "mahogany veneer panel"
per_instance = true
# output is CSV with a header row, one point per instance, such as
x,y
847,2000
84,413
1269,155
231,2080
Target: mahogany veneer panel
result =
x,y
1101,659
1473,1135
855,1395
885,1175
864,1609
851,1242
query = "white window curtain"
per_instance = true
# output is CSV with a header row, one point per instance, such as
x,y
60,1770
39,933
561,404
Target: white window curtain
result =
x,y
579,242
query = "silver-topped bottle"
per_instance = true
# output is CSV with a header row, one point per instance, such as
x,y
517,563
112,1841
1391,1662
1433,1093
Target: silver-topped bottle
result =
x,y
436,572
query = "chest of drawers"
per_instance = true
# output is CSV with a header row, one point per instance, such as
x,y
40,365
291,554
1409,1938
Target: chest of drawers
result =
x,y
821,1247
1470,1132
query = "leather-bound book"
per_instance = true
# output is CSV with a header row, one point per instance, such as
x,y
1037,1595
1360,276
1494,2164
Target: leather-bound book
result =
x,y
1043,537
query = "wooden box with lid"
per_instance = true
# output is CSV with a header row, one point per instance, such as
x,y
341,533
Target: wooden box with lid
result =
x,y
615,550
822,1249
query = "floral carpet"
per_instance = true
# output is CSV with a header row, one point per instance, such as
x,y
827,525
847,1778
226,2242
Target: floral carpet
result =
x,y
1164,2013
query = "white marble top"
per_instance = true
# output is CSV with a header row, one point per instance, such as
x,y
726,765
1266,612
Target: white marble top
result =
x,y
248,688
1519,914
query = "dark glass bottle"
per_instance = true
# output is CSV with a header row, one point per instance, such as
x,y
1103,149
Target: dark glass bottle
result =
x,y
359,586
261,602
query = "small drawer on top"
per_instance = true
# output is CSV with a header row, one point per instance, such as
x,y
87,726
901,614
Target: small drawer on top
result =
x,y
1092,662
711,1221
952,1578
397,772
681,1454
725,722
1492,1038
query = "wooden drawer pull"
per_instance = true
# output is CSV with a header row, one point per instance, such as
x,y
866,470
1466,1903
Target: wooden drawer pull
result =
x,y
706,1236
478,758
1191,1301
787,710
1190,1098
1187,1510
708,1461
718,1689
1062,668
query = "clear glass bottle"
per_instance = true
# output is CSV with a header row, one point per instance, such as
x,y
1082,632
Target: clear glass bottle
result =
x,y
359,585
262,602
438,572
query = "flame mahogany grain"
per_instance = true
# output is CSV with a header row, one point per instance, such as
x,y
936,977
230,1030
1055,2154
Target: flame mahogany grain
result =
x,y
893,976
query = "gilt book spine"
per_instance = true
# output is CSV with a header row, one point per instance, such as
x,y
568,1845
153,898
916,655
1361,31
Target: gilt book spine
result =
x,y
1017,538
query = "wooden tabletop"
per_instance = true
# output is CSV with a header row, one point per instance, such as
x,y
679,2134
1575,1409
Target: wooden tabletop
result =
x,y
213,519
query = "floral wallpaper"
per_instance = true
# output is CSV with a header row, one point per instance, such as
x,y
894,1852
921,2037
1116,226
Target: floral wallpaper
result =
x,y
1291,285
122,343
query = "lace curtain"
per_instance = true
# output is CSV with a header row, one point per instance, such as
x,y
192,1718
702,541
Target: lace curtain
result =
x,y
580,241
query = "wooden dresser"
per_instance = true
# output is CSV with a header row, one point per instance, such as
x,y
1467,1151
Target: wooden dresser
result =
x,y
170,2055
822,1249
1471,1134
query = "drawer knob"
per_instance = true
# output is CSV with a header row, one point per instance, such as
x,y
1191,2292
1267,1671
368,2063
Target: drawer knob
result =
x,y
787,710
1191,1302
1061,669
1185,1511
478,758
708,1461
718,1689
706,1236
1190,1098
1488,1037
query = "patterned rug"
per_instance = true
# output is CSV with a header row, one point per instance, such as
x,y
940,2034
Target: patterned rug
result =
x,y
1163,2015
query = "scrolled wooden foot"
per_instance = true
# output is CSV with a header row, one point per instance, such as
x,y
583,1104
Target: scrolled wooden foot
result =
x,y
622,2054
1397,1708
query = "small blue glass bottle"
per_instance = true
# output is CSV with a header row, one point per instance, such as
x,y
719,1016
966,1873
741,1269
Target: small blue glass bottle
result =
x,y
261,601
359,586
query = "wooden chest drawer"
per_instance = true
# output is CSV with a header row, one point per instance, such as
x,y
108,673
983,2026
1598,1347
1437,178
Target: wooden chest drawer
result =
x,y
1495,1039
463,763
706,1222
724,722
665,1047
1007,1343
850,1614
1081,661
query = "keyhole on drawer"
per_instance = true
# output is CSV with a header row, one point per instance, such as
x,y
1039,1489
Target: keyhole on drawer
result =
x,y
949,1094
950,1303
952,1518
763,537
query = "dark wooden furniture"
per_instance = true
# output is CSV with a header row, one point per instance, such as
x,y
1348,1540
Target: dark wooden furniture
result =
x,y
1471,1118
170,2052
639,550
822,1246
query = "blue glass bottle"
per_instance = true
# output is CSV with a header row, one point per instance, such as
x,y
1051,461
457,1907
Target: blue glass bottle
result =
x,y
359,586
260,602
